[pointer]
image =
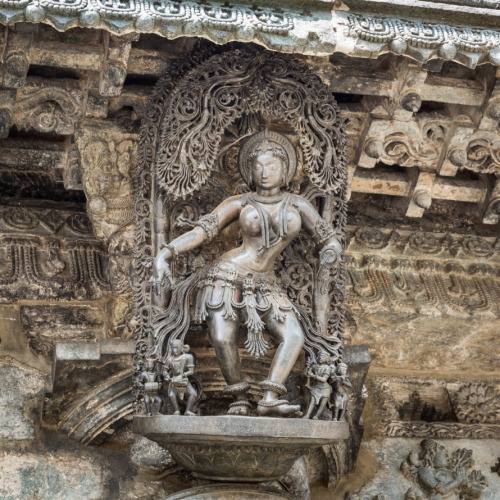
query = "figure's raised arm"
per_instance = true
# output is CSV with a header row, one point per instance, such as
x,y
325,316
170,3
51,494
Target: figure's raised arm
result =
x,y
321,231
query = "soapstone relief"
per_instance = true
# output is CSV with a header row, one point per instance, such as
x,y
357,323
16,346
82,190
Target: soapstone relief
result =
x,y
441,475
177,370
240,211
241,287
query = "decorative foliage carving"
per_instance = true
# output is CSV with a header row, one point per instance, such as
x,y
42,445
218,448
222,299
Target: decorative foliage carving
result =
x,y
423,244
438,473
483,156
44,222
185,165
408,144
107,157
422,286
35,267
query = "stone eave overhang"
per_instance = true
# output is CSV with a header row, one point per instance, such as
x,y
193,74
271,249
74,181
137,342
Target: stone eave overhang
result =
x,y
311,28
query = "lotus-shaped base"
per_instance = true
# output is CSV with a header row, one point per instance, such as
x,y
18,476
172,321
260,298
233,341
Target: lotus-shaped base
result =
x,y
233,448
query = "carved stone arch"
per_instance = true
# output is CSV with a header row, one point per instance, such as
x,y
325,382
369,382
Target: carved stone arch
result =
x,y
180,148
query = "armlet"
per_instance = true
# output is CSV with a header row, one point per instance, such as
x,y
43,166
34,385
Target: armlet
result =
x,y
210,224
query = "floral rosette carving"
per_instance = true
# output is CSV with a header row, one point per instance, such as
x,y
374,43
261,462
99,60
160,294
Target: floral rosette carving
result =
x,y
371,238
477,403
477,247
426,243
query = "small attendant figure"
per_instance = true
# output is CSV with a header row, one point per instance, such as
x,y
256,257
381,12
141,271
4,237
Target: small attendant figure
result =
x,y
178,367
319,388
152,385
340,396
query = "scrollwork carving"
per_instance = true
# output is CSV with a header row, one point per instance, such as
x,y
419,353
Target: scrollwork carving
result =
x,y
48,109
184,166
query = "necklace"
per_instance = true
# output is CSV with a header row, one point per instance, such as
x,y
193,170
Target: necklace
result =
x,y
256,201
268,199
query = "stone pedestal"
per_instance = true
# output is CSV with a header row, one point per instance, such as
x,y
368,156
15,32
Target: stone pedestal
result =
x,y
228,492
246,449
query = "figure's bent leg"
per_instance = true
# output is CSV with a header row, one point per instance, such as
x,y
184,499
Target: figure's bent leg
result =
x,y
172,396
190,402
224,337
310,409
322,406
291,338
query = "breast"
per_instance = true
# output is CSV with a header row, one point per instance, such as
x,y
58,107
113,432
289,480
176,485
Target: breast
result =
x,y
294,222
250,221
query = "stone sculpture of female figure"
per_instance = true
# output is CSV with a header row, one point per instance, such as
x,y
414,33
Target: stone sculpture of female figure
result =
x,y
241,286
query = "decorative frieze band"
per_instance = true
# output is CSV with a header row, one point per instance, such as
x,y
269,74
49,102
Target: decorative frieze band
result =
x,y
37,268
436,409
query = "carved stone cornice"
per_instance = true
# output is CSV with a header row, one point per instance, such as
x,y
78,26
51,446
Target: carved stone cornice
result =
x,y
317,30
421,41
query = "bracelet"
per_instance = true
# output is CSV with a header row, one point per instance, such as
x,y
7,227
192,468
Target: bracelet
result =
x,y
173,251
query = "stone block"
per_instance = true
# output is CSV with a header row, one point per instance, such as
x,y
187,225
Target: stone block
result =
x,y
60,476
46,324
21,398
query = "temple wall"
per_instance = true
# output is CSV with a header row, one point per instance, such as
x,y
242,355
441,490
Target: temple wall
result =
x,y
423,253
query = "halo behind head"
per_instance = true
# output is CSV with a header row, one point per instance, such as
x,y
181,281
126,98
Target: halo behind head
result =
x,y
274,142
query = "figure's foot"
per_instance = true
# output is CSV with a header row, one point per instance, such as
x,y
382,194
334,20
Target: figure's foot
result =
x,y
189,413
241,408
271,406
177,412
278,408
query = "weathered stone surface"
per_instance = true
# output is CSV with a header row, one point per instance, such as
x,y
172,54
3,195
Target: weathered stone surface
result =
x,y
417,342
45,325
21,397
149,456
52,476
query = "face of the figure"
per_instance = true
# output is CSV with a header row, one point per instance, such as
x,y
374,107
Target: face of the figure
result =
x,y
342,370
267,171
441,457
324,358
176,349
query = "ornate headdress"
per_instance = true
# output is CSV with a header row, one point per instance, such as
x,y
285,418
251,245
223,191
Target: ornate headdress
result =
x,y
267,142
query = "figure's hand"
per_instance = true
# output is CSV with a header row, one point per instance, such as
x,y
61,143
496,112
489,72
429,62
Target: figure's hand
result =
x,y
162,276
